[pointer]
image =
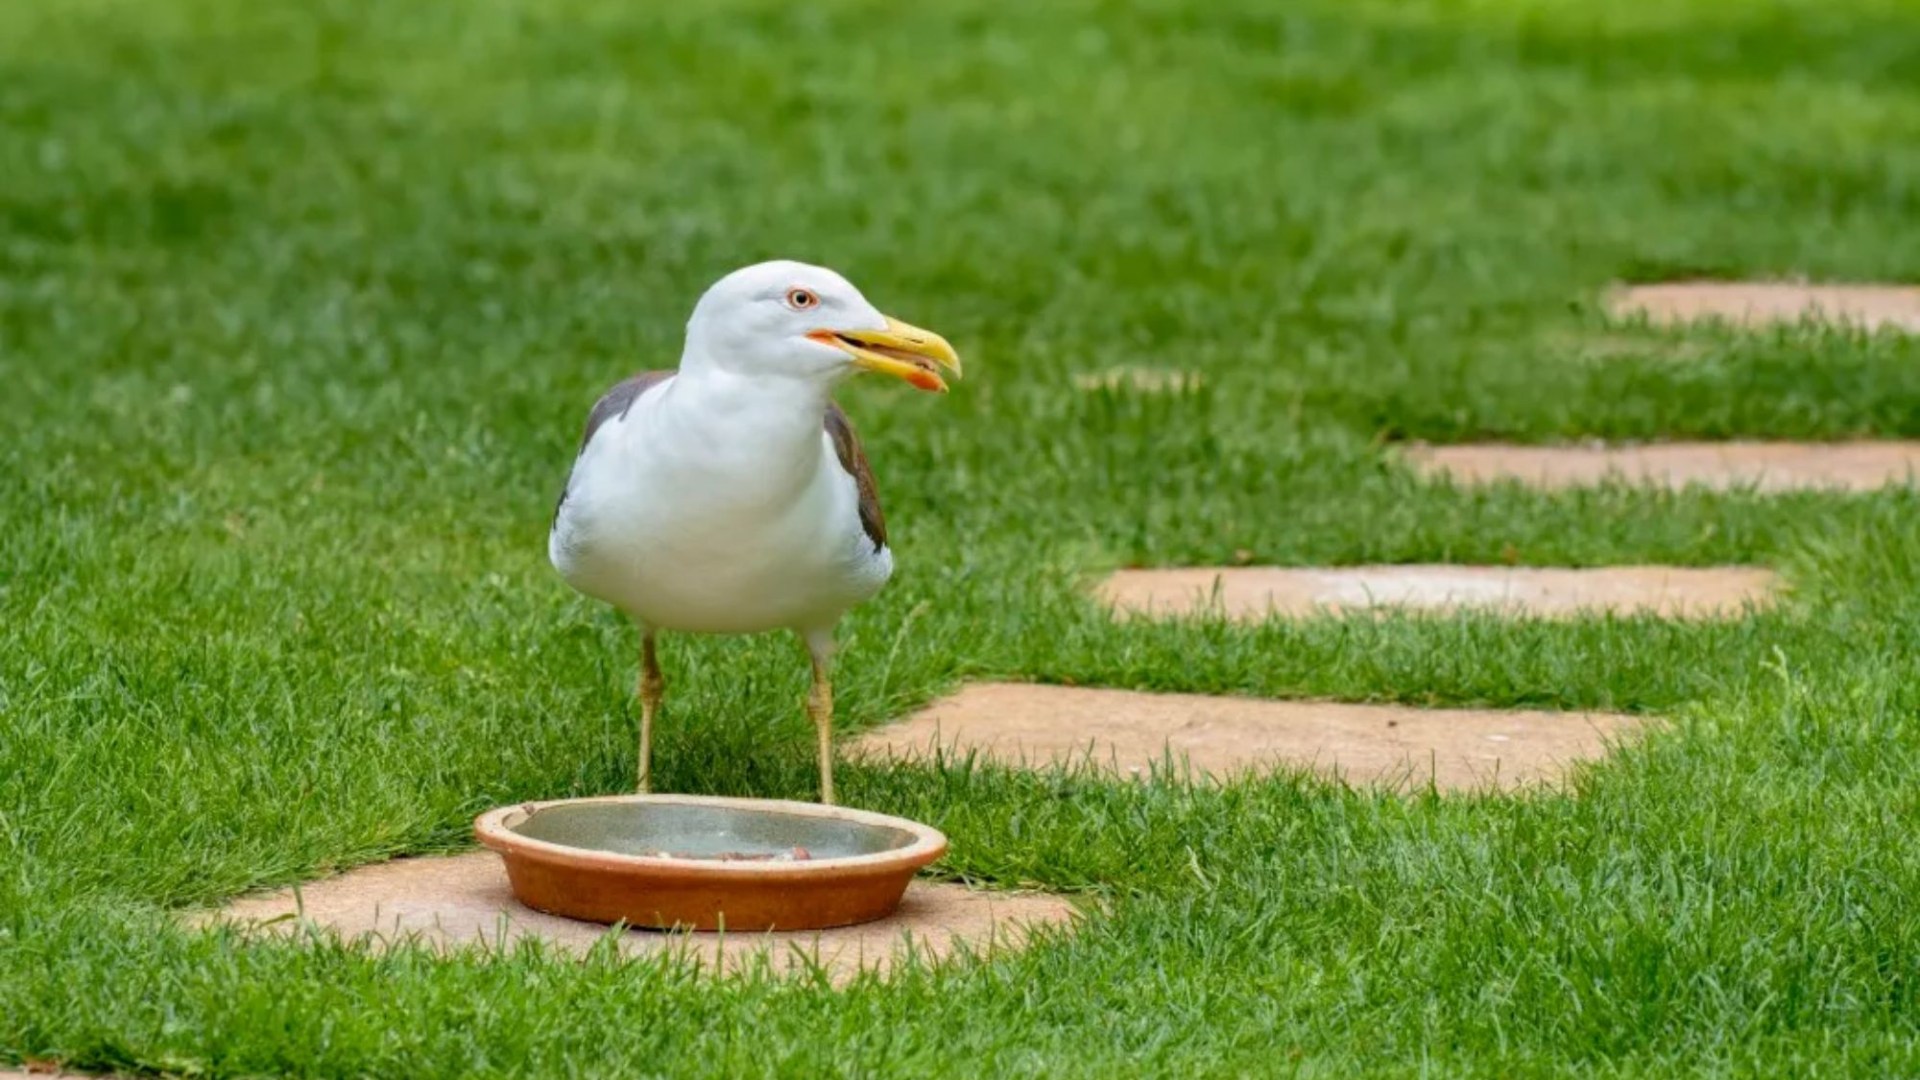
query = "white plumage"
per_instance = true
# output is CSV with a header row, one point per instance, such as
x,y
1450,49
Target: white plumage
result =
x,y
718,506
730,496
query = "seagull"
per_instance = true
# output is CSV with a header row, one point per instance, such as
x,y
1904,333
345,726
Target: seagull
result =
x,y
730,496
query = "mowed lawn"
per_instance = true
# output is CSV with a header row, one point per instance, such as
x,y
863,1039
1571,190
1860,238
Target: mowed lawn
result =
x,y
302,305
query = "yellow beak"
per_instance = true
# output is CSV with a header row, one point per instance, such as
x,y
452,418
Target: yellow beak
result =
x,y
902,351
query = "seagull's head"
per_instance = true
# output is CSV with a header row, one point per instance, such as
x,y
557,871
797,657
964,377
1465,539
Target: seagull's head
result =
x,y
794,321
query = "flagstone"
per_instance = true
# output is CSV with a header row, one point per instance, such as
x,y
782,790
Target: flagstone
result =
x,y
1147,380
1215,738
1256,592
464,900
1864,465
1758,303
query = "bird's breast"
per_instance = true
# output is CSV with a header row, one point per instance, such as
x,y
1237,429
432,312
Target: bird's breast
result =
x,y
695,535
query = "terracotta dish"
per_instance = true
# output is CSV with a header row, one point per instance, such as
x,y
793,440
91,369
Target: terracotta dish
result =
x,y
704,863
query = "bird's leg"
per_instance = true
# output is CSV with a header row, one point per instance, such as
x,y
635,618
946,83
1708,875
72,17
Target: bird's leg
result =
x,y
820,707
652,687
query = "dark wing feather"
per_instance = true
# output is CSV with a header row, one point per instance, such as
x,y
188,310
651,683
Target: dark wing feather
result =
x,y
614,402
618,400
846,446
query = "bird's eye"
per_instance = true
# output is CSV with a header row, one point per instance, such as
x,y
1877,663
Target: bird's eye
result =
x,y
802,299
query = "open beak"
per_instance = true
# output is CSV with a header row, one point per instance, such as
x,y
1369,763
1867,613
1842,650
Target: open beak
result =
x,y
902,351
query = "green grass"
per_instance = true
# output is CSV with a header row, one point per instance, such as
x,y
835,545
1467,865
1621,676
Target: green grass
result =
x,y
301,305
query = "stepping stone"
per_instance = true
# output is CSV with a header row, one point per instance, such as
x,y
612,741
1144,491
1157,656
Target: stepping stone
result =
x,y
1255,592
1127,733
1763,466
1146,380
1759,303
451,901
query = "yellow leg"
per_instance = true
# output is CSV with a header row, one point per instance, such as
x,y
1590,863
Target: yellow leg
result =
x,y
820,710
652,687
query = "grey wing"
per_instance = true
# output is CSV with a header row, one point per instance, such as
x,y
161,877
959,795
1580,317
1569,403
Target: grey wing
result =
x,y
846,446
614,402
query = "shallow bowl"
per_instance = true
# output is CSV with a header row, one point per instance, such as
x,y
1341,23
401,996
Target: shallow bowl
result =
x,y
705,863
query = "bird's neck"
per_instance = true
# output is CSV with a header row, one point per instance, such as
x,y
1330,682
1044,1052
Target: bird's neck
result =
x,y
776,420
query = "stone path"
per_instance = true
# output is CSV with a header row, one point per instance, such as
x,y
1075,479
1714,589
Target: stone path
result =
x,y
1256,592
1764,466
1751,303
1146,380
1127,733
451,901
